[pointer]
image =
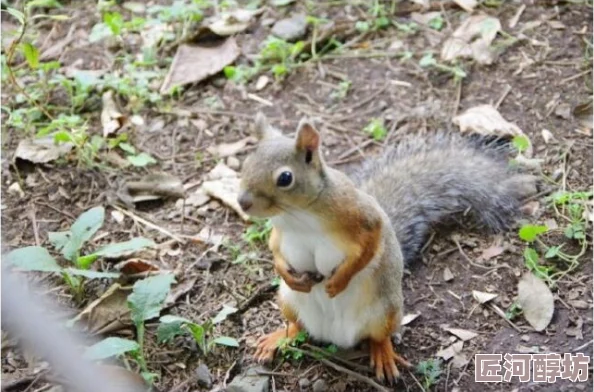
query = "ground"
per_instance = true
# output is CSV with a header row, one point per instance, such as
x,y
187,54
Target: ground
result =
x,y
543,66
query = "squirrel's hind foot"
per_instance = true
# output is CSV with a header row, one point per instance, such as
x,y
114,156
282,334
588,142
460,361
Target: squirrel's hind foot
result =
x,y
266,346
384,359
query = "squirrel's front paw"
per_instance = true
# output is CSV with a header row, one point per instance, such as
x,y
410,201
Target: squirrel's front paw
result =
x,y
302,282
335,286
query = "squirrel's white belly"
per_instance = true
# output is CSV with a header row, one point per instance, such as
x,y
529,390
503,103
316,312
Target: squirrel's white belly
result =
x,y
340,320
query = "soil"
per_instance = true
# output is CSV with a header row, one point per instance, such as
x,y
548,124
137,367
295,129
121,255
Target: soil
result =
x,y
548,67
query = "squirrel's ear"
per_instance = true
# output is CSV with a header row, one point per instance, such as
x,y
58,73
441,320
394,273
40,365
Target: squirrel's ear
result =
x,y
308,138
263,130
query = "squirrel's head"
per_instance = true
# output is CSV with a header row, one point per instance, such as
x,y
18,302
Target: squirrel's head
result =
x,y
282,173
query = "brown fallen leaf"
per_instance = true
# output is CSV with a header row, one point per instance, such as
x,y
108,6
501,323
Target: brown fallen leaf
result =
x,y
136,266
192,64
151,187
485,120
583,112
42,150
450,351
463,334
536,300
178,290
232,22
107,313
112,120
226,190
227,149
491,251
459,361
467,5
482,297
472,39
209,236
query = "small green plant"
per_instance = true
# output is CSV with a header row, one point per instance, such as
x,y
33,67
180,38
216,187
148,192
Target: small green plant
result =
x,y
521,143
513,311
436,23
428,61
145,303
258,231
376,129
430,371
289,348
69,244
172,326
342,91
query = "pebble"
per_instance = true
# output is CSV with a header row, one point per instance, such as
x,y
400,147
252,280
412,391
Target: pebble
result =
x,y
250,381
203,376
290,29
233,163
304,384
320,386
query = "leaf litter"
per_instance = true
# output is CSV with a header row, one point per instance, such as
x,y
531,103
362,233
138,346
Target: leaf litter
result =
x,y
536,300
473,39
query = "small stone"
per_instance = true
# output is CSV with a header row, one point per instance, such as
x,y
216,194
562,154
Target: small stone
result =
x,y
447,274
233,163
525,338
304,384
557,174
290,29
219,82
563,110
203,376
320,386
250,381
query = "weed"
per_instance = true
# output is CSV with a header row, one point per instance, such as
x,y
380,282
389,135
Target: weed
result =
x,y
289,348
376,129
342,90
428,61
172,326
69,244
258,232
429,370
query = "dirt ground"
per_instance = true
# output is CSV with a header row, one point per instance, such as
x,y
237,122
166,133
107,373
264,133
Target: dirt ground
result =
x,y
530,79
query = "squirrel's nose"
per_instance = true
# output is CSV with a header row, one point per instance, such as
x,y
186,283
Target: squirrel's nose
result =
x,y
245,201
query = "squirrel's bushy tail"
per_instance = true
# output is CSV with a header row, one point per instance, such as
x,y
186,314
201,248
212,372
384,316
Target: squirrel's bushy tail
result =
x,y
429,180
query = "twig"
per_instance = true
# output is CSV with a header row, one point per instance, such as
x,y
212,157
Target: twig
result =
x,y
369,381
458,97
34,223
506,91
416,380
569,79
465,367
55,209
472,262
149,224
502,315
257,295
345,362
364,101
583,346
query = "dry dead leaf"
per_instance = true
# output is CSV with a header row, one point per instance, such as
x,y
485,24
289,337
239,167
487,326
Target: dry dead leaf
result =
x,y
424,18
450,351
579,304
583,112
136,266
263,80
536,300
482,297
563,110
107,313
192,64
209,236
151,187
485,120
226,190
178,290
447,274
42,150
224,150
492,251
473,39
221,171
229,23
117,216
195,199
409,318
467,5
463,334
112,120
459,361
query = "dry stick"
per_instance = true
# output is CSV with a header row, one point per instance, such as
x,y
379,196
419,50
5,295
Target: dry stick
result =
x,y
344,370
472,262
364,101
502,315
458,97
569,79
34,223
55,209
465,367
151,225
506,91
345,362
583,346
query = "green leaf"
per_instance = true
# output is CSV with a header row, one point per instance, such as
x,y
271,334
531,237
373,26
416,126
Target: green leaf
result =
x,y
110,347
89,274
141,160
222,316
436,23
85,226
553,251
33,258
148,296
44,3
521,142
85,262
127,148
98,32
427,60
114,21
168,330
230,72
531,258
62,137
124,248
529,233
376,129
31,54
362,26
17,14
226,341
199,335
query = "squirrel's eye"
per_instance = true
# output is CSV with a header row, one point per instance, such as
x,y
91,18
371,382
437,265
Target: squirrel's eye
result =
x,y
284,179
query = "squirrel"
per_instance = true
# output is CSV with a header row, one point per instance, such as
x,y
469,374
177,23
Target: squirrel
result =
x,y
340,243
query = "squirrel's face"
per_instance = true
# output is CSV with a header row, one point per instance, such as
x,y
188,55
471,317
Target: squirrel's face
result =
x,y
282,174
